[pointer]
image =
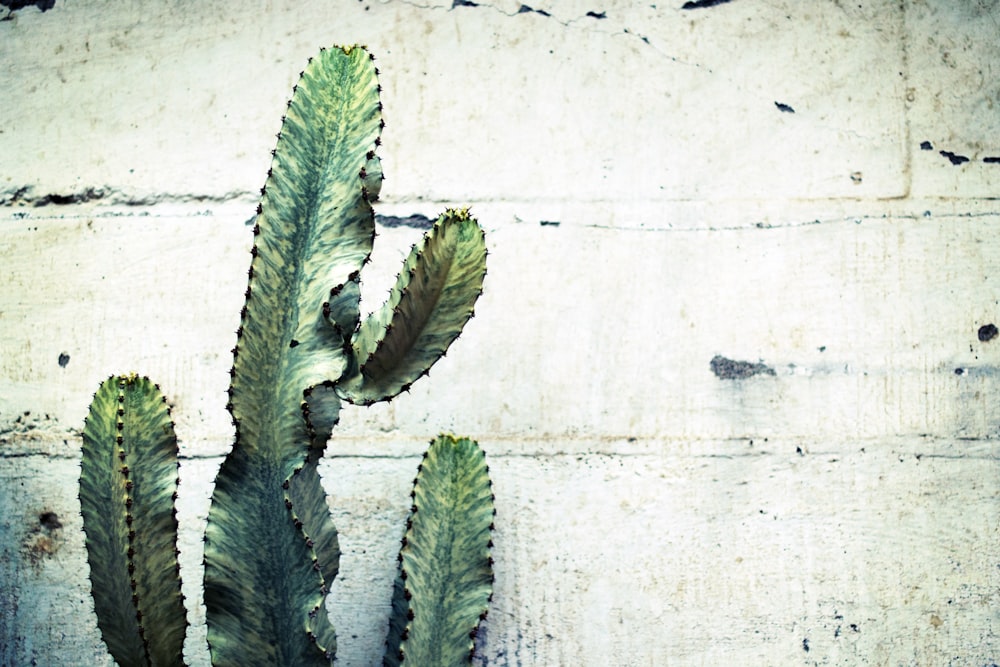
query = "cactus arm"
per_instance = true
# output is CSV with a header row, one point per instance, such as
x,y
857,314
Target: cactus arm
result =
x,y
432,300
446,573
270,543
315,229
343,314
312,515
128,483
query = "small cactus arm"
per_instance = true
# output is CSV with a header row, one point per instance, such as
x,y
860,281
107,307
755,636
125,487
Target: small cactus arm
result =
x,y
271,548
128,483
426,310
445,580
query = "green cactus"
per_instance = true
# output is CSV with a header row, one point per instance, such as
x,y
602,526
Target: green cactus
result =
x,y
271,548
128,483
445,577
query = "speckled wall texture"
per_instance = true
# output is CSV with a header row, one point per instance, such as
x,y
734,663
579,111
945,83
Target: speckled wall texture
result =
x,y
736,362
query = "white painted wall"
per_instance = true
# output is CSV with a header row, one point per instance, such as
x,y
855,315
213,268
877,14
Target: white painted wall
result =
x,y
649,207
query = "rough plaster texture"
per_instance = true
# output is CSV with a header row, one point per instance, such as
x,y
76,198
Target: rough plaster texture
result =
x,y
730,366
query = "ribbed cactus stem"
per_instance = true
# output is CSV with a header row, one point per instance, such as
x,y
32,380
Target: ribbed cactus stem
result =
x,y
128,484
427,308
445,580
271,548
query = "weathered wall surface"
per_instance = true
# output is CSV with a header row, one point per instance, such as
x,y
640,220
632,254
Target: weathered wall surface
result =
x,y
734,366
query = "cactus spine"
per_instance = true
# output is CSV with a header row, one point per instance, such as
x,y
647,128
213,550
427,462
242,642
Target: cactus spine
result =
x,y
271,549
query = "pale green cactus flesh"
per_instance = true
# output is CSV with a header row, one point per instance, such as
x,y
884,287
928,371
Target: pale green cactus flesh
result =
x,y
445,578
128,482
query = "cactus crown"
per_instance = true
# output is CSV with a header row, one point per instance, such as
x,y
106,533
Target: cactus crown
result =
x,y
271,549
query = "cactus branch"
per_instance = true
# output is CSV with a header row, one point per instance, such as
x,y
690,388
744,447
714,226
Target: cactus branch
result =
x,y
432,300
445,578
128,482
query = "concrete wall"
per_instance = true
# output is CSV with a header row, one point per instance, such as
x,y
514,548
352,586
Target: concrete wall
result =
x,y
733,366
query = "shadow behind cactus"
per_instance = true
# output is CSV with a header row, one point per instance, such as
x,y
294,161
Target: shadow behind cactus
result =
x,y
271,548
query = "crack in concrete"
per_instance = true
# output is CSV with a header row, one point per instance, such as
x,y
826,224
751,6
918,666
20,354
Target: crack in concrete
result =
x,y
852,219
590,16
522,9
637,448
22,198
25,196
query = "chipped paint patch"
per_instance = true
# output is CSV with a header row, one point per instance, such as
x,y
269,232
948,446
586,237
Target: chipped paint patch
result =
x,y
43,539
416,221
728,369
14,5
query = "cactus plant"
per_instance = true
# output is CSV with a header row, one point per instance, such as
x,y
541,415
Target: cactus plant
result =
x,y
271,549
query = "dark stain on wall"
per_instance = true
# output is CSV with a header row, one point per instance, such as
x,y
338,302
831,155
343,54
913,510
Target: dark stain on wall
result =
x,y
24,195
49,520
14,5
954,158
728,369
43,538
417,221
525,9
987,332
702,4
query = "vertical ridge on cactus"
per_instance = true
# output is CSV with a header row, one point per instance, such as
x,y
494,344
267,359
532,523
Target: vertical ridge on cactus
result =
x,y
128,481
